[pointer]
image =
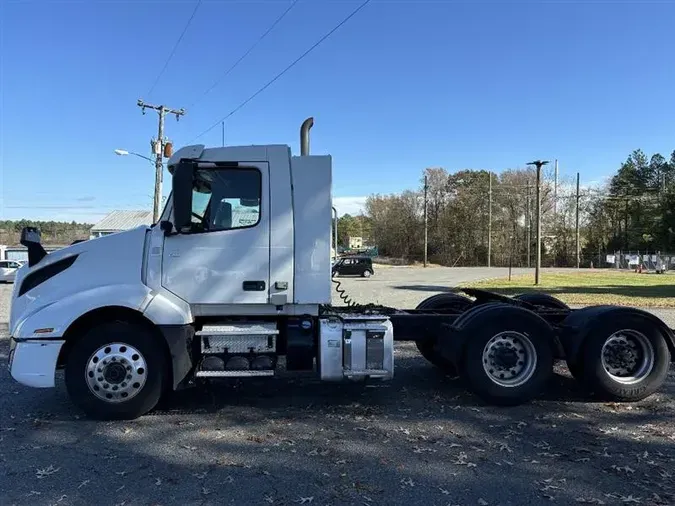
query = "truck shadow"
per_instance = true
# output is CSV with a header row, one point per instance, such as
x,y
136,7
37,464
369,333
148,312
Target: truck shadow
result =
x,y
414,376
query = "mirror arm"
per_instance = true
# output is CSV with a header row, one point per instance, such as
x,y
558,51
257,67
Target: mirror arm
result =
x,y
167,228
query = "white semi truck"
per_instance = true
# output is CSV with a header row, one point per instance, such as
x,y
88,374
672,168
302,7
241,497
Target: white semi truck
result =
x,y
205,294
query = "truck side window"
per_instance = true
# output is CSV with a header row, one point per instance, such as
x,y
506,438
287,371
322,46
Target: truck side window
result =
x,y
226,199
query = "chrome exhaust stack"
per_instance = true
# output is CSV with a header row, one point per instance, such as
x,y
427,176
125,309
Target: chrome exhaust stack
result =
x,y
304,136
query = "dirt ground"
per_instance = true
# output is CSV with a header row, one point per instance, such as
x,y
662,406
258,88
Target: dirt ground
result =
x,y
419,439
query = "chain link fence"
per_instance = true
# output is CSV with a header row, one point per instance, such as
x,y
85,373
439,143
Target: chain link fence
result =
x,y
655,261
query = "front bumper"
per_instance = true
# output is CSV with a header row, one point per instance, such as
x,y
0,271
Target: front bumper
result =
x,y
32,362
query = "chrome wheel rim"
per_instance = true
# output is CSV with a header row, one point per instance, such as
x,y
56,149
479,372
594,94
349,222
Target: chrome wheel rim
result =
x,y
627,356
116,372
510,359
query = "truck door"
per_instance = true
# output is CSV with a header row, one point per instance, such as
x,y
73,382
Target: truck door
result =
x,y
226,257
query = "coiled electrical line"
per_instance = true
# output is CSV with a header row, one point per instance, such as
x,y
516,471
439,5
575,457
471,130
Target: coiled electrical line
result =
x,y
343,296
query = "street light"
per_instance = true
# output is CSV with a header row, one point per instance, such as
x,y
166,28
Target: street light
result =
x,y
124,152
539,164
158,187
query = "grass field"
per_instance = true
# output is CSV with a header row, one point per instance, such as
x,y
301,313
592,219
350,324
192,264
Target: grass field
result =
x,y
594,287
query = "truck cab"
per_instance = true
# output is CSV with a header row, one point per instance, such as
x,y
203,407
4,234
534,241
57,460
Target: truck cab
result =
x,y
233,276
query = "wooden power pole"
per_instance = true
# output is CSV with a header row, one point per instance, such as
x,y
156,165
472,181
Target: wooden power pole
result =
x,y
539,164
426,225
577,226
489,241
159,152
529,227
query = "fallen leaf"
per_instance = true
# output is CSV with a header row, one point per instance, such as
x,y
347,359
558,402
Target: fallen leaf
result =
x,y
47,471
408,482
503,447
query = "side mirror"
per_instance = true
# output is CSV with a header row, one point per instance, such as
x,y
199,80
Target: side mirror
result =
x,y
30,238
182,180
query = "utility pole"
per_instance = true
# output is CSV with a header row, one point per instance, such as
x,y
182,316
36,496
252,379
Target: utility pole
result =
x,y
223,125
529,227
555,190
489,252
159,149
426,237
539,164
577,226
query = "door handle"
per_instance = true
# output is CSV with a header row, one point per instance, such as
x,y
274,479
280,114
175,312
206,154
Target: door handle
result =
x,y
254,286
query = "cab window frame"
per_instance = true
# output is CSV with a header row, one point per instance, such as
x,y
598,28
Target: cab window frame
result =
x,y
198,226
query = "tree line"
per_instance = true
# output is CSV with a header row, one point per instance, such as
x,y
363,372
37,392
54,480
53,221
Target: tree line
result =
x,y
53,232
471,212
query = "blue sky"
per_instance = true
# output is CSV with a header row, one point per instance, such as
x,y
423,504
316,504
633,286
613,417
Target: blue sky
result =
x,y
402,86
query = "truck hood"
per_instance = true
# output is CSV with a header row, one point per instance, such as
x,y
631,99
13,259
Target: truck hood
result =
x,y
108,260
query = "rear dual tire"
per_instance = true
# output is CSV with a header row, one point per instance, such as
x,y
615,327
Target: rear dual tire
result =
x,y
625,359
508,358
427,346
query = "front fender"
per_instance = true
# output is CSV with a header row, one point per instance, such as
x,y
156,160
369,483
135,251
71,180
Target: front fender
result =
x,y
165,309
60,314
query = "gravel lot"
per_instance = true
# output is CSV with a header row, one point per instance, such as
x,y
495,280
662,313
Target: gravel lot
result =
x,y
420,439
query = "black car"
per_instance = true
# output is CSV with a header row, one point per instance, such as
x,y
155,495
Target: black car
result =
x,y
354,266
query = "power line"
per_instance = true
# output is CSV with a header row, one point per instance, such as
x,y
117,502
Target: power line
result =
x,y
166,64
260,39
296,61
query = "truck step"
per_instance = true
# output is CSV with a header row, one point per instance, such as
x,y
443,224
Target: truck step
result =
x,y
232,374
239,329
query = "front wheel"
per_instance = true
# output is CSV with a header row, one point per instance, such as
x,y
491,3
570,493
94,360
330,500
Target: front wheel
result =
x,y
625,361
366,274
116,371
